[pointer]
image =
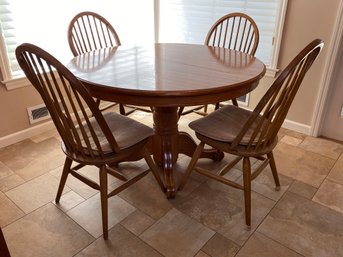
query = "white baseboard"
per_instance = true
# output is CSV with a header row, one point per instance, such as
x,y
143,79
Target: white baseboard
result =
x,y
38,129
26,133
296,126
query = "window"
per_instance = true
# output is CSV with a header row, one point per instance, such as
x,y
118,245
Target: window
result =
x,y
45,23
188,21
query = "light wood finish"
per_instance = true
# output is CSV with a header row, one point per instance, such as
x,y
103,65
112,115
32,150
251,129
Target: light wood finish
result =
x,y
102,140
249,134
167,76
236,31
4,252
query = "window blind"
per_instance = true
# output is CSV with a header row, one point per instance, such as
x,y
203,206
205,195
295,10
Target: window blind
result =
x,y
45,24
188,21
8,41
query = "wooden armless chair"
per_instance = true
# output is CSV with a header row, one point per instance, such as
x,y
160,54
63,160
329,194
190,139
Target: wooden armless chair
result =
x,y
99,139
89,31
236,31
4,252
246,134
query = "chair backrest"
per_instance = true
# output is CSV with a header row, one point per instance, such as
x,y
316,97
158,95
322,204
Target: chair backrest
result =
x,y
69,103
236,31
265,121
90,31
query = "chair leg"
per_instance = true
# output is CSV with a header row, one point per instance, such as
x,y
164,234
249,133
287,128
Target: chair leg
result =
x,y
247,190
153,168
104,202
205,108
191,165
97,101
234,102
179,112
65,172
122,109
274,170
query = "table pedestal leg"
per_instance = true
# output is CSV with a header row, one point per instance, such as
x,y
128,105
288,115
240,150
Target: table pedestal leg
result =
x,y
165,143
168,142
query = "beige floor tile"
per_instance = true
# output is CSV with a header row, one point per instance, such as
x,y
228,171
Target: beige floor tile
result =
x,y
221,208
292,133
5,171
330,194
322,146
303,189
35,193
52,133
336,172
146,196
137,222
88,213
92,173
291,140
264,184
46,232
9,211
214,167
201,254
305,166
176,234
305,227
17,156
259,245
220,246
69,200
120,243
292,224
41,165
10,182
75,184
194,181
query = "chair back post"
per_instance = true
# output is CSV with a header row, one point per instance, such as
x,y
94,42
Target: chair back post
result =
x,y
271,111
237,31
4,252
69,103
89,31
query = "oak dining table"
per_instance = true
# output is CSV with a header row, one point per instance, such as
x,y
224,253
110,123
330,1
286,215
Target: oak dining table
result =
x,y
164,77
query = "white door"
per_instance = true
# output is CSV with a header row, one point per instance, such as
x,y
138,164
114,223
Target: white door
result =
x,y
332,126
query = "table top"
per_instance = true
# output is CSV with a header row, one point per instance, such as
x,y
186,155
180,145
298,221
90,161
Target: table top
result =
x,y
167,74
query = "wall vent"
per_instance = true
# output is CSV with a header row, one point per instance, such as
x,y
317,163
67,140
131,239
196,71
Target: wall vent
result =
x,y
38,113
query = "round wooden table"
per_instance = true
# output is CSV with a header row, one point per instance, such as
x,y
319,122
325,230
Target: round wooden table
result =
x,y
165,77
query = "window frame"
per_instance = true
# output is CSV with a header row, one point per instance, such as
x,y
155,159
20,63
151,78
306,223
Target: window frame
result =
x,y
14,83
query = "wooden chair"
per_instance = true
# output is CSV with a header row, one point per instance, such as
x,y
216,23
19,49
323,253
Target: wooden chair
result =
x,y
236,31
248,134
4,252
99,139
89,31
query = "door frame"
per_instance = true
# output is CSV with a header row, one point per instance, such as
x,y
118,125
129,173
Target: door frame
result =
x,y
329,69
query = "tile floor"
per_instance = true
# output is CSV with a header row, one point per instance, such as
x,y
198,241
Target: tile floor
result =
x,y
305,218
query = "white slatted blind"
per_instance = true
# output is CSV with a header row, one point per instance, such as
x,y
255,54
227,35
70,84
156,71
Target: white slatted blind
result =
x,y
188,21
9,40
45,24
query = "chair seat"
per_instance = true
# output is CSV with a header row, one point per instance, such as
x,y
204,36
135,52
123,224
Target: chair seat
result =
x,y
123,128
224,124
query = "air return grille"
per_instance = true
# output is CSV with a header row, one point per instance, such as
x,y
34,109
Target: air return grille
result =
x,y
38,113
